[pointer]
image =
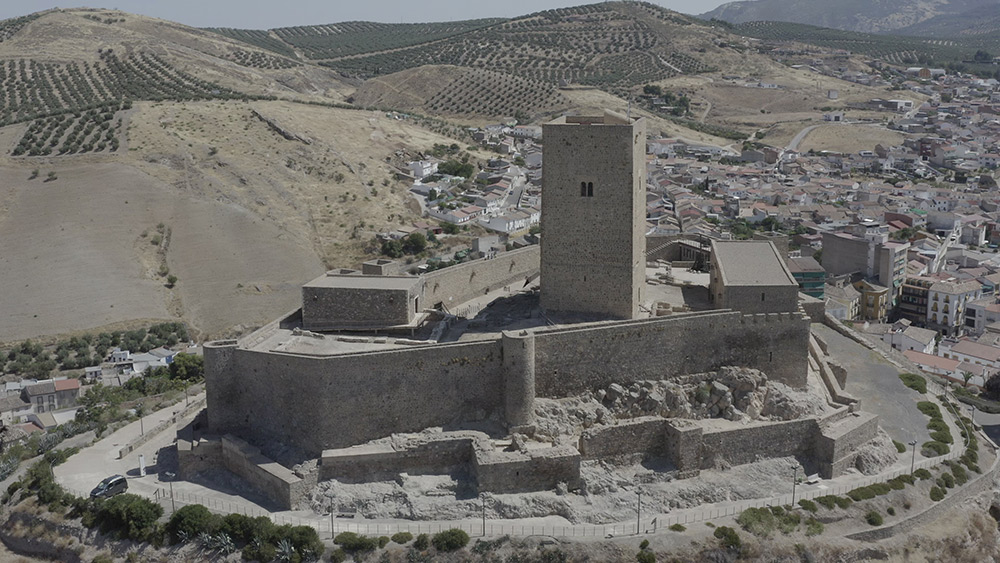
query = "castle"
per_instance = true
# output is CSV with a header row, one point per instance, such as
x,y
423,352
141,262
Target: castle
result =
x,y
371,354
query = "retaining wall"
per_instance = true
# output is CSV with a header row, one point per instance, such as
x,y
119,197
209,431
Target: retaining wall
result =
x,y
317,403
738,446
269,477
570,361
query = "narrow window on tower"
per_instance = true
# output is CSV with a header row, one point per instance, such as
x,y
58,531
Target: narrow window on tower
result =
x,y
590,189
583,189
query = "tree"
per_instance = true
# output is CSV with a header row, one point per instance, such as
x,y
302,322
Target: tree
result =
x,y
966,376
449,228
171,280
652,90
187,366
414,243
392,248
992,388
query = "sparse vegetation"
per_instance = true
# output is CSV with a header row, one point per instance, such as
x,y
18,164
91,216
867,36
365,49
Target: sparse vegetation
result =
x,y
915,382
874,518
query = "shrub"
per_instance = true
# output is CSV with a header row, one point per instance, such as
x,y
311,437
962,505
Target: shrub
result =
x,y
808,505
757,521
873,518
933,449
130,516
193,519
729,537
891,511
644,544
915,382
936,494
352,542
402,537
880,488
383,541
896,484
922,474
948,479
961,477
244,529
677,528
900,447
830,501
929,409
942,436
861,493
422,542
813,527
645,557
450,540
905,478
938,424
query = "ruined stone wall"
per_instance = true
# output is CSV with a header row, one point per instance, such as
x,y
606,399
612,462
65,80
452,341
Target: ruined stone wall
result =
x,y
462,282
570,361
535,471
737,446
362,464
838,443
642,435
316,403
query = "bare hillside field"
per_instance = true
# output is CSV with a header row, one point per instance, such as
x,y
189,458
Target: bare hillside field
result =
x,y
73,249
849,138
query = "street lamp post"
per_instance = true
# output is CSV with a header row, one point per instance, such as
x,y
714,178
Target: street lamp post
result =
x,y
795,478
482,497
972,409
638,512
913,454
170,476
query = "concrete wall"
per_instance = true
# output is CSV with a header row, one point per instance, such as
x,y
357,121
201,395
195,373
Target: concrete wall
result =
x,y
462,282
269,477
317,403
593,248
570,361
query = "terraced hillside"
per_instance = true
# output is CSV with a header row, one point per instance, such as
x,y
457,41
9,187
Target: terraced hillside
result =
x,y
895,49
609,45
459,91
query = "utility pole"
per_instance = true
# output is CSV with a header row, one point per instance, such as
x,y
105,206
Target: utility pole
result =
x,y
482,497
913,456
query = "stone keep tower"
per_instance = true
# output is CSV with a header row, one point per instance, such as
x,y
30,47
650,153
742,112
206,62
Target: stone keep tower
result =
x,y
594,215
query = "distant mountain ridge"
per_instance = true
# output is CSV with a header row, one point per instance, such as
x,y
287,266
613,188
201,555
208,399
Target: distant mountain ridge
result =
x,y
871,16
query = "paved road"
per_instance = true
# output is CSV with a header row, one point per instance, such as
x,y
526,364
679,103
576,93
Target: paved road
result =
x,y
876,383
793,145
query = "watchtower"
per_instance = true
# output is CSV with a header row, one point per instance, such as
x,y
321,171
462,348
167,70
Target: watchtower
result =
x,y
594,215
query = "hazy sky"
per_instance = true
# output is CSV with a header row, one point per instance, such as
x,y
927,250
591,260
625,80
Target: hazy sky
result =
x,y
260,14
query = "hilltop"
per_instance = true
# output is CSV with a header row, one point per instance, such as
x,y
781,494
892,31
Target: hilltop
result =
x,y
851,15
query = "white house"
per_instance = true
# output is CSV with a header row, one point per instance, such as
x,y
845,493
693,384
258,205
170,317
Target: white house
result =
x,y
423,168
903,337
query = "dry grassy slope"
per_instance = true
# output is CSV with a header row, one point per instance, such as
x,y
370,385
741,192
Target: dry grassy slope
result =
x,y
249,224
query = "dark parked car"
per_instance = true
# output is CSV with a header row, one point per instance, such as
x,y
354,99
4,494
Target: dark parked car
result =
x,y
116,484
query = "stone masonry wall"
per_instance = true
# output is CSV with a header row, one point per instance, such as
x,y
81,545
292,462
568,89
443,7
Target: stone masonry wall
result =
x,y
570,361
642,435
462,282
316,403
594,244
745,445
361,464
327,307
